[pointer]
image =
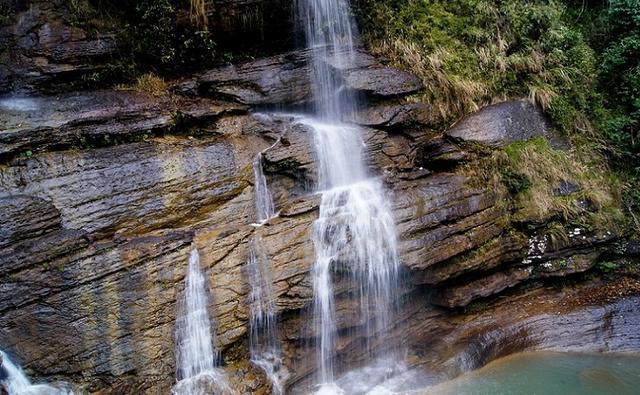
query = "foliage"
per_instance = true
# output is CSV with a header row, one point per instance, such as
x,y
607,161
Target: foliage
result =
x,y
578,59
165,45
161,36
595,204
7,9
607,266
620,84
472,52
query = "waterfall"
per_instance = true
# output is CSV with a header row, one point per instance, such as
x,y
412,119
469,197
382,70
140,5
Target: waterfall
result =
x,y
355,231
15,382
195,356
263,337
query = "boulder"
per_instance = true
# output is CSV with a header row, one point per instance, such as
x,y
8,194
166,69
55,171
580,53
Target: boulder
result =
x,y
382,82
395,116
501,124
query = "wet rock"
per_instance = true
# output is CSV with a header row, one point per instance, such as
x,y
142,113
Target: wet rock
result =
x,y
440,154
569,265
566,188
395,116
501,124
131,187
439,217
534,320
284,80
382,82
24,217
501,250
632,248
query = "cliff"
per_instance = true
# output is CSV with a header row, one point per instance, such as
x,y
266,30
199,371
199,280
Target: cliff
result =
x,y
104,192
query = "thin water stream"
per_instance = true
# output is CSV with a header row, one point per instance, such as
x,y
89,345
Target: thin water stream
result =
x,y
196,358
264,337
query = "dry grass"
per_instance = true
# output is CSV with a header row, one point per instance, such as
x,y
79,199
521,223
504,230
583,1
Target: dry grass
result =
x,y
543,95
148,83
198,13
544,169
449,93
558,235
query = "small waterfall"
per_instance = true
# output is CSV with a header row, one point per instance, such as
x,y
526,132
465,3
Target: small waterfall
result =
x,y
355,231
15,382
331,35
195,356
264,337
265,208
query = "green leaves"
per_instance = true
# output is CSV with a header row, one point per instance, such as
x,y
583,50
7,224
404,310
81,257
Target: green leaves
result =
x,y
163,44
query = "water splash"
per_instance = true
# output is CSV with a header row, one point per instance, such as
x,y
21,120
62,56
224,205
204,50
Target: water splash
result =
x,y
264,337
196,357
15,382
355,232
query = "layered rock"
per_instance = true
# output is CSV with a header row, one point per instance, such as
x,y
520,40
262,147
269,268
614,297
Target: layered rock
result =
x,y
284,80
41,48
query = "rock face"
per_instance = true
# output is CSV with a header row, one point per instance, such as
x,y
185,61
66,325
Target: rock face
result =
x,y
250,23
502,123
103,194
40,49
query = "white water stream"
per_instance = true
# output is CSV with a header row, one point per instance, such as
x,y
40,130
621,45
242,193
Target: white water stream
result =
x,y
196,357
355,231
264,337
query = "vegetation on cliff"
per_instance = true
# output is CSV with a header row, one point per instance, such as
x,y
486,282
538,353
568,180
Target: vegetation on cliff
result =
x,y
578,59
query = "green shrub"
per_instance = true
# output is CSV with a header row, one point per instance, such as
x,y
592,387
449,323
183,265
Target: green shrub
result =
x,y
162,44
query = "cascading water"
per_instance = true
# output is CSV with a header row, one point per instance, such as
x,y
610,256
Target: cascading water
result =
x,y
196,357
15,382
355,230
264,336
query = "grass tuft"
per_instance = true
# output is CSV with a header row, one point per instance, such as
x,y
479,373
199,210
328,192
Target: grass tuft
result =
x,y
148,83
